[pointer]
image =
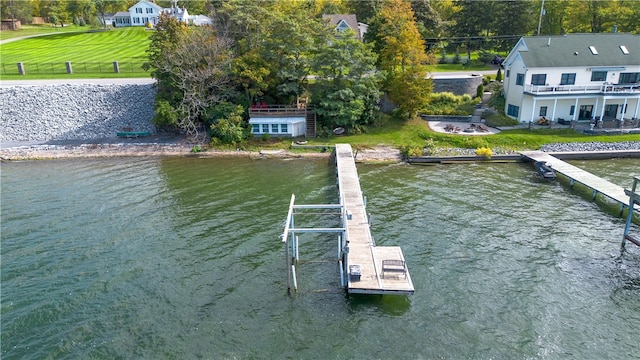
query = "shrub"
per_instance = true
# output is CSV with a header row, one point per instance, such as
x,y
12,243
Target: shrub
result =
x,y
166,116
447,103
499,75
480,91
484,151
411,151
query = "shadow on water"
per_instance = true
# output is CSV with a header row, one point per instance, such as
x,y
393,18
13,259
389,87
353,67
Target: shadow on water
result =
x,y
394,305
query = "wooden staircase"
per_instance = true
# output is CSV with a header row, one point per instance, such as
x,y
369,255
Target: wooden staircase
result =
x,y
311,123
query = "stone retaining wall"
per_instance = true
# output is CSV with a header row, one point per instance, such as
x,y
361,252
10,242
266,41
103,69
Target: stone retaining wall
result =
x,y
74,112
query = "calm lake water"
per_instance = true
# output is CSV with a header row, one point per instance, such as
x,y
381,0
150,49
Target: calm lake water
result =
x,y
148,258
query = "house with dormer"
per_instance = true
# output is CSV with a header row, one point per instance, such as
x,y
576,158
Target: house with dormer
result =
x,y
344,22
573,77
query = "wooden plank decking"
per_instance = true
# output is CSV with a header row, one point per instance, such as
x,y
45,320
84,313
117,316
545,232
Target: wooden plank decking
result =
x,y
362,248
595,183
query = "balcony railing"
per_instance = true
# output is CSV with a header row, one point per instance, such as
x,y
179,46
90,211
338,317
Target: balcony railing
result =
x,y
275,110
582,89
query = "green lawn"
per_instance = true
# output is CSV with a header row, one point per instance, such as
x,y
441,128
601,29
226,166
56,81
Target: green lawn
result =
x,y
91,53
28,30
416,133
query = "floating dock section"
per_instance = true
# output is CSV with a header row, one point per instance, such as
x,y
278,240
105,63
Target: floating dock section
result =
x,y
575,174
364,267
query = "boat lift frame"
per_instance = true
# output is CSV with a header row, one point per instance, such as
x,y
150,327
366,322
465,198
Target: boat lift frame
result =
x,y
634,199
291,241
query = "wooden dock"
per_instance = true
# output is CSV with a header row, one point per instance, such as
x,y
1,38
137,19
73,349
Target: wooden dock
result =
x,y
575,174
361,249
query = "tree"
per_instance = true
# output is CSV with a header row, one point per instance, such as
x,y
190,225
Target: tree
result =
x,y
346,89
15,9
427,19
402,57
291,42
193,70
365,10
520,15
471,22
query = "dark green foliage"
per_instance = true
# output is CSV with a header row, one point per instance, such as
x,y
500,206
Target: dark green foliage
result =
x,y
226,123
499,74
166,116
480,91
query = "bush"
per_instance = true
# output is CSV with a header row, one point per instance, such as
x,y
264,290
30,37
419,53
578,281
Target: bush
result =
x,y
166,116
499,75
480,91
484,151
411,151
447,103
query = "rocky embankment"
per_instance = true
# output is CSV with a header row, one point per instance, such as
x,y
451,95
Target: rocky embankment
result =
x,y
74,112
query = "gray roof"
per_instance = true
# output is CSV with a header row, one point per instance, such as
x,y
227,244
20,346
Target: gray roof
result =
x,y
573,50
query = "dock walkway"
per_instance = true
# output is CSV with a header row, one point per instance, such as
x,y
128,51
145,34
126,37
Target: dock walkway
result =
x,y
362,250
575,174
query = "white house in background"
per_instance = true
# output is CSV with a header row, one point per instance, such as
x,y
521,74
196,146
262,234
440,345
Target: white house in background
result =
x,y
579,77
148,12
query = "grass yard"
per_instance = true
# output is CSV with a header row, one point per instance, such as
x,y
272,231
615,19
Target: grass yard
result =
x,y
415,133
91,54
38,29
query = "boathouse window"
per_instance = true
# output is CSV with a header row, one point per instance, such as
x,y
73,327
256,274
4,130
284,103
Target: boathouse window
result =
x,y
538,79
629,78
256,128
274,128
265,128
568,79
598,75
543,111
520,79
284,128
513,110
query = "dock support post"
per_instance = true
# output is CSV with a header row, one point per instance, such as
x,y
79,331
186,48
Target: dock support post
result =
x,y
571,182
634,198
595,193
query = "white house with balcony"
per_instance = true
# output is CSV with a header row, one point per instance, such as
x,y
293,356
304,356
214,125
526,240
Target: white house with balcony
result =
x,y
574,77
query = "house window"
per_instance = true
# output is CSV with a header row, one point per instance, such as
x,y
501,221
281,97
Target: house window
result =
x,y
538,79
506,74
284,128
145,20
543,111
265,128
573,110
586,112
629,78
568,79
138,10
513,110
256,129
598,75
520,79
149,10
274,128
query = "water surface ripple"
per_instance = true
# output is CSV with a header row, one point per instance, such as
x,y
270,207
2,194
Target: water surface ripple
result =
x,y
180,258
